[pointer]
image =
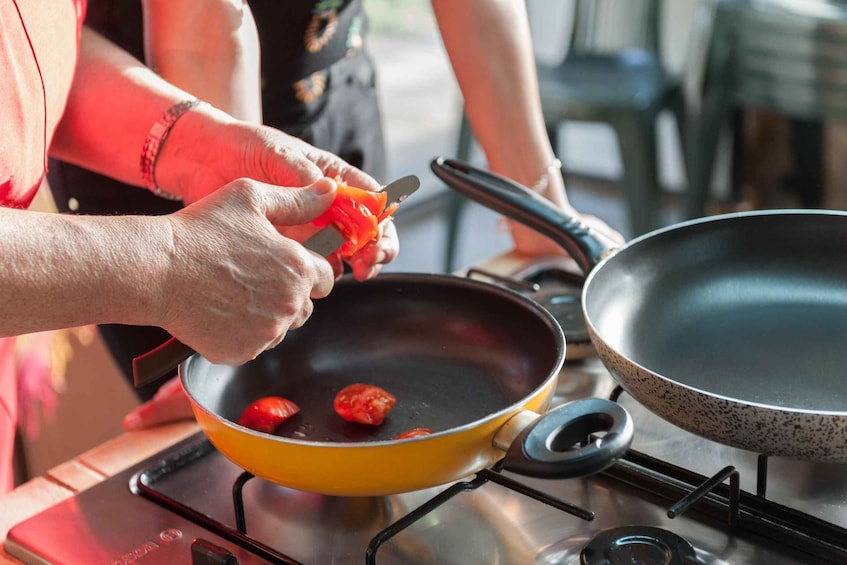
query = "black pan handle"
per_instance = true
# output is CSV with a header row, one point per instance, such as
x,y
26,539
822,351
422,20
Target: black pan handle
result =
x,y
585,245
155,364
545,448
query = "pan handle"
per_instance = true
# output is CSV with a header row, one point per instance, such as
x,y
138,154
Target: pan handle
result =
x,y
584,244
545,448
157,363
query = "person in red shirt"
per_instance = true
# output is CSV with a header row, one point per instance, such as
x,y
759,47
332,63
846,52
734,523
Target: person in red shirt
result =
x,y
226,274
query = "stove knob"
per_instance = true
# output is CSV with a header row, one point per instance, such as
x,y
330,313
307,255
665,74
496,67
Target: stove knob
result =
x,y
206,553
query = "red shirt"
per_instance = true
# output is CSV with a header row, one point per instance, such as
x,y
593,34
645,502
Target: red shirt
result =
x,y
38,52
39,46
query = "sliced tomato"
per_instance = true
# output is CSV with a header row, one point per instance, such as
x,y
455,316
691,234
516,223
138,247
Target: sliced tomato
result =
x,y
373,201
390,209
355,213
267,413
414,432
363,403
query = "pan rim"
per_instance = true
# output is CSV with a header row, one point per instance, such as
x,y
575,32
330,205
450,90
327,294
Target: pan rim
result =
x,y
512,408
785,410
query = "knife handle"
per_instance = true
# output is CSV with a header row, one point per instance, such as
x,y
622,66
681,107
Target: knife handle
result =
x,y
155,364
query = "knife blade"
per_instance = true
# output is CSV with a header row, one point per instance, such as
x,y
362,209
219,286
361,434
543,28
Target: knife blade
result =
x,y
328,240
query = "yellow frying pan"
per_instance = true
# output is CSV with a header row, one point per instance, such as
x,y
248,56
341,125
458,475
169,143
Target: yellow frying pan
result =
x,y
475,362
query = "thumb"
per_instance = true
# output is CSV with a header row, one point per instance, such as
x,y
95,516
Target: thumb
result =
x,y
295,206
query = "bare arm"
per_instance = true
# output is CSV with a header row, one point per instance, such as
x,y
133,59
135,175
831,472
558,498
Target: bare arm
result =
x,y
114,102
209,48
64,271
217,274
490,49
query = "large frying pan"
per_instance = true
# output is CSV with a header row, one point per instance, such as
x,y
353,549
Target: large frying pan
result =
x,y
732,327
478,363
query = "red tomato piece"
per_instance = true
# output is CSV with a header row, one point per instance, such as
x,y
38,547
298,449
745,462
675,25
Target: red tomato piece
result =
x,y
414,432
362,403
355,213
267,413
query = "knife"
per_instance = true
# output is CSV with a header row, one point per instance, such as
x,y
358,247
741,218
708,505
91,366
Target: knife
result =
x,y
155,364
328,240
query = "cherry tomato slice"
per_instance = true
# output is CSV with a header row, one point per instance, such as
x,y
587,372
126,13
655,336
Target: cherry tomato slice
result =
x,y
363,403
267,413
414,432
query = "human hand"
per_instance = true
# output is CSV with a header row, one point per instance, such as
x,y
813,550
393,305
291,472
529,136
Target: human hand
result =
x,y
235,286
530,242
232,149
272,156
170,403
368,261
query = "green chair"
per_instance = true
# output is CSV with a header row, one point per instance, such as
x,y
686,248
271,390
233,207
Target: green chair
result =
x,y
626,88
784,56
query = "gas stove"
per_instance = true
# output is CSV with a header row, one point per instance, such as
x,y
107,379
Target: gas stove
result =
x,y
675,498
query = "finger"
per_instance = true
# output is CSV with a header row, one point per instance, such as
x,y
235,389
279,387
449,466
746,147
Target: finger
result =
x,y
296,206
337,263
161,409
334,167
358,178
389,241
604,229
324,277
368,262
303,315
289,161
363,271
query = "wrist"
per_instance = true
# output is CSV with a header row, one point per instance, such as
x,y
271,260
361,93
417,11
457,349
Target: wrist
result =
x,y
154,143
192,149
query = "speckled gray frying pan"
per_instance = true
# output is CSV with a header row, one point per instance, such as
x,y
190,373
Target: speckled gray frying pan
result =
x,y
733,327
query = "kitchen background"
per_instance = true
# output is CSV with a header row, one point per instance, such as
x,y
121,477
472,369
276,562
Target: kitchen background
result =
x,y
422,111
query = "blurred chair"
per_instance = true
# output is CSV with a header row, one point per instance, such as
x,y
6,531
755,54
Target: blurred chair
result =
x,y
783,56
625,88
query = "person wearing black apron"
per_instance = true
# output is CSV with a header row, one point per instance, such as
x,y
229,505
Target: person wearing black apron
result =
x,y
317,83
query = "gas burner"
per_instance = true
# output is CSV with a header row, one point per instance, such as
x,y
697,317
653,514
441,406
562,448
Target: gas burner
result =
x,y
554,282
638,545
558,288
566,306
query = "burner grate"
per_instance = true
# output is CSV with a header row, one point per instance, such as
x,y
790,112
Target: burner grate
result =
x,y
729,507
143,483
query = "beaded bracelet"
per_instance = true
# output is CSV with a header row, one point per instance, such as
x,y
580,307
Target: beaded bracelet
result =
x,y
154,142
544,180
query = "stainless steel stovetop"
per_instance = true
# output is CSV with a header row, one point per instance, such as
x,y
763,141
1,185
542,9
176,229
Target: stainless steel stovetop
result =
x,y
480,521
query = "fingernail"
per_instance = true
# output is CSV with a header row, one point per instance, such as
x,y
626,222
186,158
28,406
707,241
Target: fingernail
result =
x,y
132,421
324,186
